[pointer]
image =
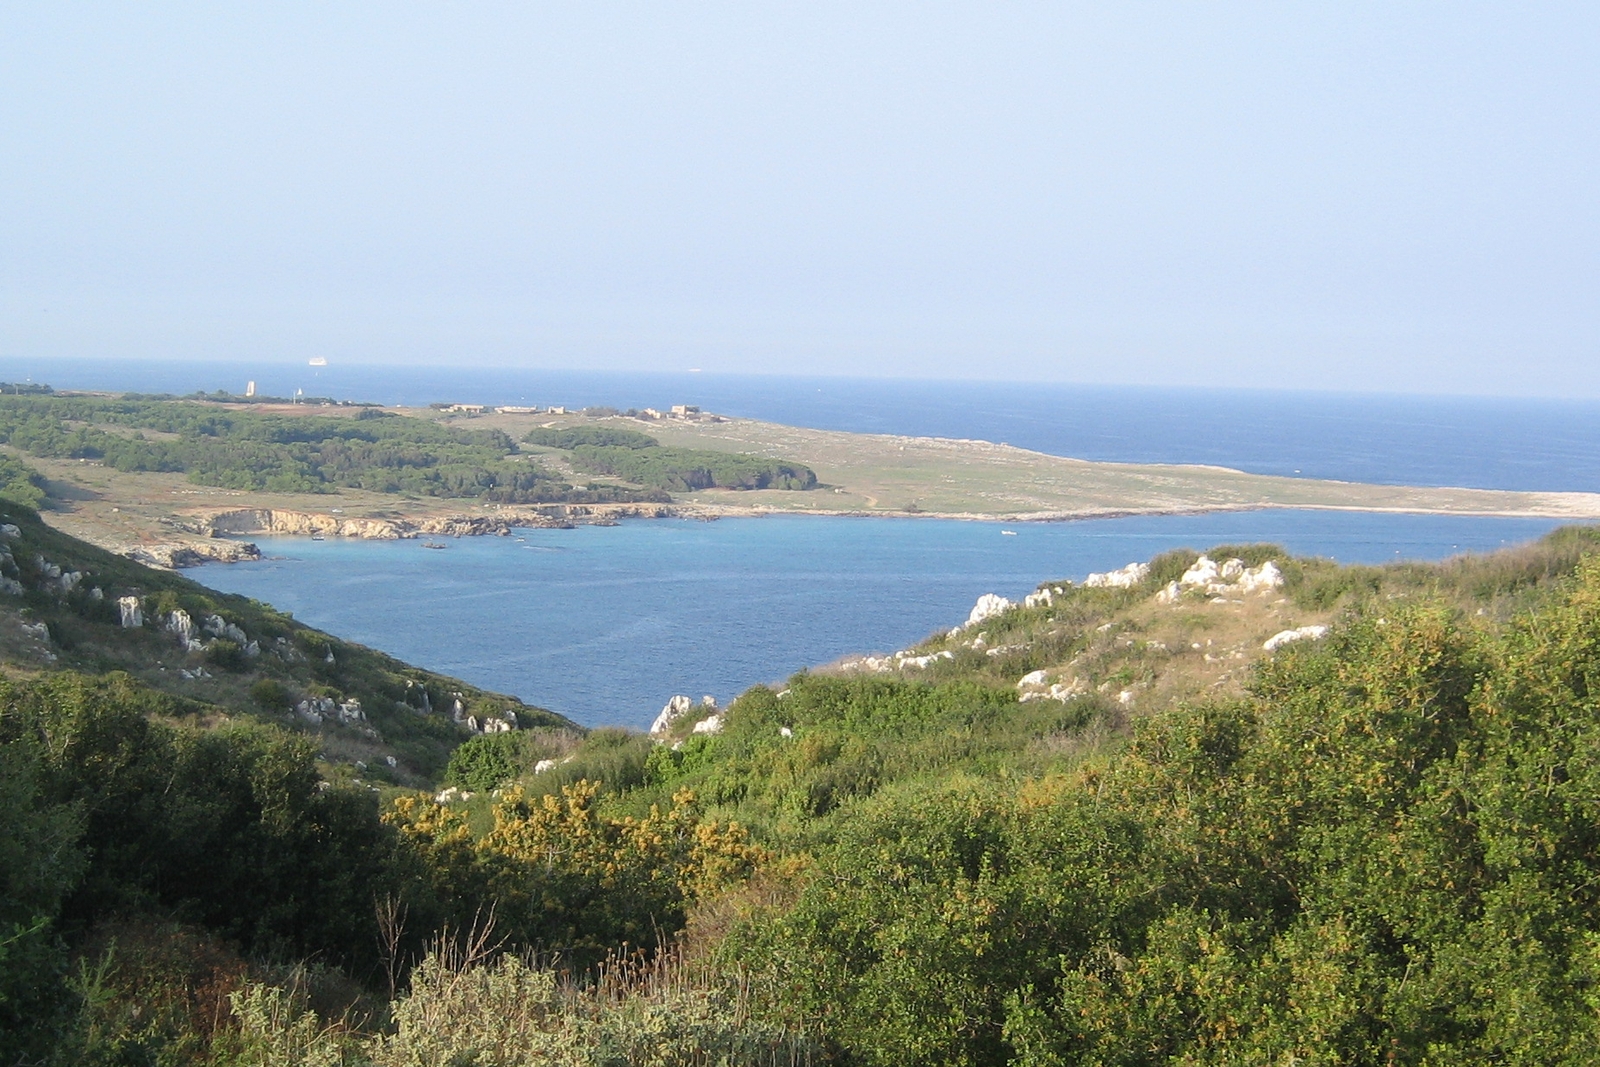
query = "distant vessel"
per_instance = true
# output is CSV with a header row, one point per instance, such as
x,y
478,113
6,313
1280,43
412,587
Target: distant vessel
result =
x,y
318,537
319,361
1008,533
434,544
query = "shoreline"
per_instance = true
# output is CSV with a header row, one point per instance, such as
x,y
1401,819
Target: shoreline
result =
x,y
230,527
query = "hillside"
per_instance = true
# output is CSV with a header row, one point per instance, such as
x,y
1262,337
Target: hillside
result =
x,y
1231,807
69,606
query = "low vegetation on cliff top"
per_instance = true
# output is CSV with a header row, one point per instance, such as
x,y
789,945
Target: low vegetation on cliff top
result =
x,y
234,446
1100,844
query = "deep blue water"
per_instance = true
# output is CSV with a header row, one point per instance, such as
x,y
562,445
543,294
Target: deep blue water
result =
x,y
605,623
1480,442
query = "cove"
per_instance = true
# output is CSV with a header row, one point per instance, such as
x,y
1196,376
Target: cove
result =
x,y
604,624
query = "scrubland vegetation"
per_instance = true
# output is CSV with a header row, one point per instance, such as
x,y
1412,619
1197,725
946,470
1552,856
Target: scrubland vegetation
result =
x,y
1381,847
238,448
641,459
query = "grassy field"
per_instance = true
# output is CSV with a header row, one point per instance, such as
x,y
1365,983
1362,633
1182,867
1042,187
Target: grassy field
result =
x,y
977,479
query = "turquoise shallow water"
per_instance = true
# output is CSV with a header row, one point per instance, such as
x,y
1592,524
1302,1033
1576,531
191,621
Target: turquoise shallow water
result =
x,y
605,623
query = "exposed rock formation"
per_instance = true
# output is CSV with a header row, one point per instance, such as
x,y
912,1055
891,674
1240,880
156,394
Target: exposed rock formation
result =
x,y
1285,637
988,606
676,708
132,612
171,555
1126,578
1231,578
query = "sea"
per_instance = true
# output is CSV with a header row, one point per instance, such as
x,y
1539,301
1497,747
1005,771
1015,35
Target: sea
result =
x,y
605,624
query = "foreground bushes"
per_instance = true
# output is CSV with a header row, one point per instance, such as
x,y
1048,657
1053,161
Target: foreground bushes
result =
x,y
1388,853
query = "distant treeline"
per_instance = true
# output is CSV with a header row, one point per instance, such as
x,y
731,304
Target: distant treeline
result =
x,y
641,459
373,450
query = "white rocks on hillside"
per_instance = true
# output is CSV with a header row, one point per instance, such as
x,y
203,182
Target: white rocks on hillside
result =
x,y
1285,637
988,606
676,708
132,613
1126,578
544,765
1043,597
880,664
1231,578
181,626
711,724
1033,678
1062,691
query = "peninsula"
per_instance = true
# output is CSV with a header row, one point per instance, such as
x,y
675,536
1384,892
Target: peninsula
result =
x,y
176,481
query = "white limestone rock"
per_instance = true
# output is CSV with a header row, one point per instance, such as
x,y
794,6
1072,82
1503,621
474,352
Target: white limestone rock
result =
x,y
132,613
676,708
988,606
1062,691
1287,637
1033,678
1229,578
711,724
544,765
1126,578
1263,579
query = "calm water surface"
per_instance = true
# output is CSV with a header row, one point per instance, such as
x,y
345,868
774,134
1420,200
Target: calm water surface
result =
x,y
605,623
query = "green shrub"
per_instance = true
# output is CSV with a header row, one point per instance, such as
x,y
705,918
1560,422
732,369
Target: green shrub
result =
x,y
271,695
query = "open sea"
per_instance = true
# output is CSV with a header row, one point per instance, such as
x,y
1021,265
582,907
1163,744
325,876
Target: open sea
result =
x,y
606,623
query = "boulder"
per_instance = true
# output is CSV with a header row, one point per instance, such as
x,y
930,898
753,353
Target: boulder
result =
x,y
675,709
1286,637
903,660
1262,579
711,724
132,613
1126,578
1033,678
988,606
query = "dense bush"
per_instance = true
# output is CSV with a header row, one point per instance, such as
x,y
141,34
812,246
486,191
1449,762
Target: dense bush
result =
x,y
1388,853
683,470
301,454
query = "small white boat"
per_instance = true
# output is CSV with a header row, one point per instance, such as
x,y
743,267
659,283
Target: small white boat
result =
x,y
319,361
1008,533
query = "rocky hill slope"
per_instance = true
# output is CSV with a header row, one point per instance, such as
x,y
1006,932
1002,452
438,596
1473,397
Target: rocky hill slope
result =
x,y
67,605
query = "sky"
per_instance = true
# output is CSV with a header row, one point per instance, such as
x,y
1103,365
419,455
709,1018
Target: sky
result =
x,y
1356,196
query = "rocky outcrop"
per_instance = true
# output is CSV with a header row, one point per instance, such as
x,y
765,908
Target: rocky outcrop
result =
x,y
1288,637
307,523
880,664
1231,578
988,606
171,555
678,707
1126,578
132,612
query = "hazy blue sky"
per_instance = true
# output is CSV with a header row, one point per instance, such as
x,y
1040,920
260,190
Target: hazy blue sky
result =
x,y
1350,195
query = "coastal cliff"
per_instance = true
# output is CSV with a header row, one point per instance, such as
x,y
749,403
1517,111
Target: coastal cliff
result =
x,y
230,522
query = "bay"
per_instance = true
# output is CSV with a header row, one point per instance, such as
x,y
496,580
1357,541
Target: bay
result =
x,y
606,623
